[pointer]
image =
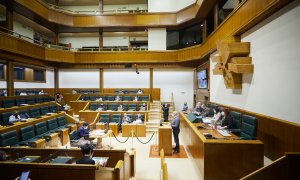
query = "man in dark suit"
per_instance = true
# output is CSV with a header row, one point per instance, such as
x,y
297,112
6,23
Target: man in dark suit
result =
x,y
175,124
87,152
82,131
165,109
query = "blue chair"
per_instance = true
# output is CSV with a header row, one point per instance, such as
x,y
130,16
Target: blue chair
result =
x,y
113,107
5,117
47,99
52,125
53,108
20,101
44,110
35,112
30,101
127,98
27,135
249,127
93,106
116,118
7,103
110,98
132,107
236,116
145,98
41,129
9,138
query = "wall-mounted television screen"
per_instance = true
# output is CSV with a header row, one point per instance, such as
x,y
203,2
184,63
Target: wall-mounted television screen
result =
x,y
202,79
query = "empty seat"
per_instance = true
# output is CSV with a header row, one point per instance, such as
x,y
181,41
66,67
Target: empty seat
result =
x,y
39,100
104,118
96,91
113,107
53,108
249,127
93,98
24,114
30,101
93,106
145,98
116,91
47,99
85,98
72,135
110,98
44,110
27,134
36,91
236,127
18,92
5,117
20,101
52,125
35,112
132,91
41,129
127,98
104,98
9,138
125,91
62,122
116,118
132,107
7,103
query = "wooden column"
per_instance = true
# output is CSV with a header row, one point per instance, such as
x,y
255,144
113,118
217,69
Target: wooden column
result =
x,y
56,80
100,6
101,80
216,15
10,78
56,38
204,32
9,17
100,38
151,84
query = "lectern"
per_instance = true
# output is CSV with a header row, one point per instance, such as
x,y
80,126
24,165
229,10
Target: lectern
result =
x,y
165,139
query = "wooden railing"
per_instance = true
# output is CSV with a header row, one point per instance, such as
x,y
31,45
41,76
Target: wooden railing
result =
x,y
248,14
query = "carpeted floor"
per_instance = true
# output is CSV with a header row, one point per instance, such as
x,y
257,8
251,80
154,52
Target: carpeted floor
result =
x,y
154,153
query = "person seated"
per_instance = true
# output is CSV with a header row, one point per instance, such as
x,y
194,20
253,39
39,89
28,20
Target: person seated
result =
x,y
217,114
3,156
3,93
135,98
140,91
67,107
59,97
74,91
185,107
120,108
126,119
23,93
82,131
198,110
99,99
117,98
101,108
205,111
138,120
87,155
106,127
143,107
41,92
14,117
226,121
121,91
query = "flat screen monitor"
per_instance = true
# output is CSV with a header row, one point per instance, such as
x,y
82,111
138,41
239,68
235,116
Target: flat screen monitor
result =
x,y
202,79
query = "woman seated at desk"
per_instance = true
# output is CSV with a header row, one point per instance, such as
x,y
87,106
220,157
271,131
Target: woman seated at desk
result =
x,y
226,121
217,114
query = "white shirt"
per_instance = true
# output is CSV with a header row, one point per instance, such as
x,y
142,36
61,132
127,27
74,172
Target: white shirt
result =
x,y
23,94
12,118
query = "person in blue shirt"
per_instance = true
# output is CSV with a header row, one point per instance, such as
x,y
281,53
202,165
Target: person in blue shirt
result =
x,y
82,131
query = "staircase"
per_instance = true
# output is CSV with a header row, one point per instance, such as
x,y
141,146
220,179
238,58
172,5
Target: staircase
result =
x,y
154,117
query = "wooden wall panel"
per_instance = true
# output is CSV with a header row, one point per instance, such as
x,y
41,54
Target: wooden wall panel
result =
x,y
59,55
279,136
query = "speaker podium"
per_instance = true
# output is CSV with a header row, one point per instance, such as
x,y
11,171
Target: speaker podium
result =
x,y
165,139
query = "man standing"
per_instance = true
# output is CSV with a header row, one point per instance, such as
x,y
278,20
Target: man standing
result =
x,y
165,109
175,124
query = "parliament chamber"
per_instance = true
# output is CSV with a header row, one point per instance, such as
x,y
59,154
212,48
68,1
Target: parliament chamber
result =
x,y
149,89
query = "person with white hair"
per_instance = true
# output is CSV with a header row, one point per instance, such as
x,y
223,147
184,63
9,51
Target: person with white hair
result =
x,y
175,124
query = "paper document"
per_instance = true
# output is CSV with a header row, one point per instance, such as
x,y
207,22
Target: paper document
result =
x,y
224,132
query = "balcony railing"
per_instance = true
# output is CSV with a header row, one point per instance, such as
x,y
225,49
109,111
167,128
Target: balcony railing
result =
x,y
115,11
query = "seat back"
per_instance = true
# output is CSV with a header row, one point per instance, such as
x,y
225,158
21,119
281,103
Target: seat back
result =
x,y
132,107
44,110
249,127
145,98
93,106
93,98
20,101
52,124
236,116
116,91
132,91
116,118
7,103
35,112
113,107
104,119
96,91
110,98
9,138
104,98
18,92
127,98
62,121
39,100
5,117
47,99
41,128
53,108
30,101
24,113
27,133
72,135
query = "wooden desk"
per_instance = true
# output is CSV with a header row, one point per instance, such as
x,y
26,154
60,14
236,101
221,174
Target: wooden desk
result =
x,y
99,134
112,126
165,139
138,129
235,158
64,136
40,143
